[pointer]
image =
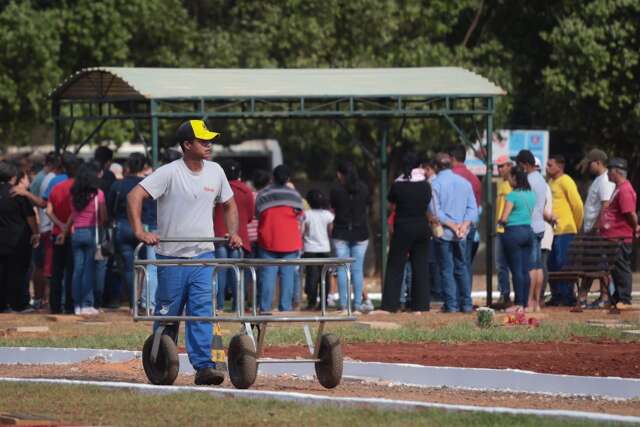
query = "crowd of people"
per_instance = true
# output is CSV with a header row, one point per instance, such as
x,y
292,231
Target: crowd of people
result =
x,y
434,236
541,219
59,218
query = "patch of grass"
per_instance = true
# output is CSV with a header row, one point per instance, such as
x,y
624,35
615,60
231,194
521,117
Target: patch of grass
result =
x,y
97,406
131,340
459,332
455,332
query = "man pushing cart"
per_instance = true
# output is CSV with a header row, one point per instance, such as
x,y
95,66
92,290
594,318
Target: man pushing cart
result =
x,y
187,190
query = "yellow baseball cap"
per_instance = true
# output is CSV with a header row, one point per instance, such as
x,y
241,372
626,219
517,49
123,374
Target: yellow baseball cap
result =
x,y
193,129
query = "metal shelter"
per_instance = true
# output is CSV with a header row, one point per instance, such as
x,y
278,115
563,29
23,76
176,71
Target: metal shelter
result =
x,y
116,93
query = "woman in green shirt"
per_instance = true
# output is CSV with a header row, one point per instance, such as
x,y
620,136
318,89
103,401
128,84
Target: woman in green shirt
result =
x,y
518,234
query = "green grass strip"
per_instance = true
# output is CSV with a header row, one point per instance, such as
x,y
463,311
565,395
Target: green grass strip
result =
x,y
97,406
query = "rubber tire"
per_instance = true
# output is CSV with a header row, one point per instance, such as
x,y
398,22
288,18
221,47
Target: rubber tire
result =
x,y
329,368
242,362
165,370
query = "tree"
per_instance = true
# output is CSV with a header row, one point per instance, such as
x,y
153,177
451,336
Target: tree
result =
x,y
593,77
28,69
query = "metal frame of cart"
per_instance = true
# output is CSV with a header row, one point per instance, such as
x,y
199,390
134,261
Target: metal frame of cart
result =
x,y
160,355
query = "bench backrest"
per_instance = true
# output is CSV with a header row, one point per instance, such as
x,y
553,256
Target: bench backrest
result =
x,y
591,253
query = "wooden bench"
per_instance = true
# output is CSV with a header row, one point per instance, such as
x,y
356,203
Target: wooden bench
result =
x,y
589,258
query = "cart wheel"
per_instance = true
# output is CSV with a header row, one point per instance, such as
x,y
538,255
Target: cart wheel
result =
x,y
329,368
165,370
241,362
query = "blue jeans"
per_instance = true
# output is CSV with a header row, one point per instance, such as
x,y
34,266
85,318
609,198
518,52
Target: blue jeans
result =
x,y
190,286
472,247
355,250
226,276
125,243
503,267
561,292
518,244
88,274
454,275
268,280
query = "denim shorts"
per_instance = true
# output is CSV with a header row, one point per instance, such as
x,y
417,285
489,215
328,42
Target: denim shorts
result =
x,y
536,252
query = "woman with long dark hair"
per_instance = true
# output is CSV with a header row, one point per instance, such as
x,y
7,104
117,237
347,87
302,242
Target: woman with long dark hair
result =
x,y
518,235
349,199
411,195
88,213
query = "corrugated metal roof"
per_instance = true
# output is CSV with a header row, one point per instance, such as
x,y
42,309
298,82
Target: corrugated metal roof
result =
x,y
159,83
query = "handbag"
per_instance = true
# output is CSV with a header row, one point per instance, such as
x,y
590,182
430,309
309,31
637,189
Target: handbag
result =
x,y
104,246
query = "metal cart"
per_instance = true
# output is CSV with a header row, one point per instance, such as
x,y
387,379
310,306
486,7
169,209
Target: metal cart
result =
x,y
160,354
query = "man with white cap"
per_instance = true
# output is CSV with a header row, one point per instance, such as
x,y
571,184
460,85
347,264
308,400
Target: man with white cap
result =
x,y
598,197
187,190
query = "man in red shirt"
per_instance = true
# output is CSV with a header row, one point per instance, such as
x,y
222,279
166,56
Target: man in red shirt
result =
x,y
246,206
280,210
620,221
59,210
458,154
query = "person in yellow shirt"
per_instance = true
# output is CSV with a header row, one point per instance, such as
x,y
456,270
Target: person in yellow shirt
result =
x,y
568,211
503,188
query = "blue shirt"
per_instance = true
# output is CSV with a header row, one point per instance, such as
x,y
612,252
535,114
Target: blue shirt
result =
x,y
117,202
538,186
523,205
455,201
54,181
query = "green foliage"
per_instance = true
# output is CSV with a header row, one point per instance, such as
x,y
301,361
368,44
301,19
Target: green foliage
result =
x,y
594,70
28,67
567,65
99,406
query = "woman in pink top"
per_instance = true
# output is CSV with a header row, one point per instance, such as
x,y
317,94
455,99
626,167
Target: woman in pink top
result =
x,y
88,213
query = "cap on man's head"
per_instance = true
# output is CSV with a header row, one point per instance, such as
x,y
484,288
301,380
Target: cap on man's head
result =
x,y
192,129
526,157
595,155
501,160
618,163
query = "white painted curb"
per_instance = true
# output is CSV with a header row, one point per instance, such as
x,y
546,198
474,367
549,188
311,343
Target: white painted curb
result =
x,y
481,379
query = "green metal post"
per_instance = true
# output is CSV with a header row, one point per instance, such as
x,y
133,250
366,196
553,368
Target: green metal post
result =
x,y
154,133
383,199
55,112
488,202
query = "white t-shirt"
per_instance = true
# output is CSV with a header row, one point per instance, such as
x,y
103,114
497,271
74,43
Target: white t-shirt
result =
x,y
45,222
600,191
186,200
316,235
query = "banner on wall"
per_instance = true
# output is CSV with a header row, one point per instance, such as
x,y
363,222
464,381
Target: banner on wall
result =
x,y
509,142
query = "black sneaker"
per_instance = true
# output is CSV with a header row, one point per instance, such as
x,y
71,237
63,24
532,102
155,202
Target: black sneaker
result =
x,y
209,376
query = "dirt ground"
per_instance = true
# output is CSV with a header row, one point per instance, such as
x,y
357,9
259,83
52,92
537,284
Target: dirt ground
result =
x,y
572,358
132,372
